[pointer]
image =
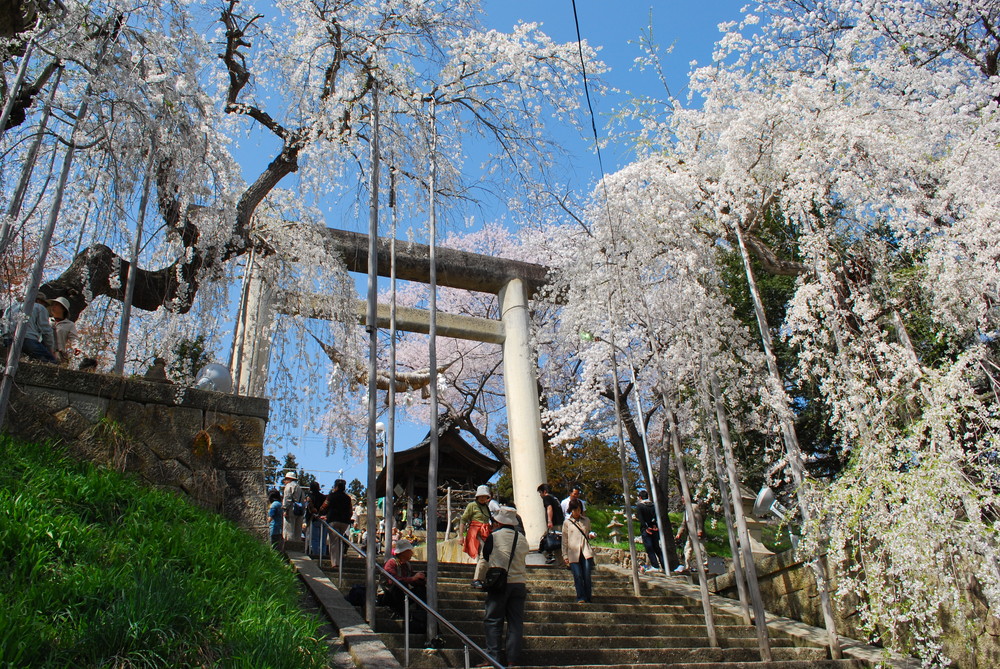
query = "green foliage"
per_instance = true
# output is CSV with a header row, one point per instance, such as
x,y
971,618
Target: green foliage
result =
x,y
934,343
97,570
357,490
189,355
291,464
594,464
812,415
271,469
591,462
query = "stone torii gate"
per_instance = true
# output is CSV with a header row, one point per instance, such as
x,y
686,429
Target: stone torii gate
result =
x,y
512,281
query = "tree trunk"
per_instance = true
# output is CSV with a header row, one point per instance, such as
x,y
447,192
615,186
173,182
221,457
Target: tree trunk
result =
x,y
663,497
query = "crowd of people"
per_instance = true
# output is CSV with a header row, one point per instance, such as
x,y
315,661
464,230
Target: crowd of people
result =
x,y
293,510
491,534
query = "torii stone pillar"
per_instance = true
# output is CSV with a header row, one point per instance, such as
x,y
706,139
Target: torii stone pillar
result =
x,y
524,425
511,280
252,339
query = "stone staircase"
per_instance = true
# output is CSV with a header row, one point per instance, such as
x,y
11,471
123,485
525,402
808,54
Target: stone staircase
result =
x,y
617,630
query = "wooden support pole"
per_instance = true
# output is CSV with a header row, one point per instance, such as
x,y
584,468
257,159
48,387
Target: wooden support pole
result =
x,y
699,555
760,616
371,546
792,449
430,521
636,587
727,507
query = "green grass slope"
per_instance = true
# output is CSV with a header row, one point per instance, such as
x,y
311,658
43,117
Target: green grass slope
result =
x,y
98,571
717,541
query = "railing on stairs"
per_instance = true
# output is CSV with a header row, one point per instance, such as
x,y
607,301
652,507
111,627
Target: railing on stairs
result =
x,y
469,644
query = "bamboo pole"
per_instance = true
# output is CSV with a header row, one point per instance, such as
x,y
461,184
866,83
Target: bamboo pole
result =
x,y
15,87
653,488
792,449
35,280
447,527
390,435
432,466
636,586
240,327
371,546
724,494
699,555
133,269
753,587
17,200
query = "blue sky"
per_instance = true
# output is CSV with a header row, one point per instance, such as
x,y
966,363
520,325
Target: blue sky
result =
x,y
691,30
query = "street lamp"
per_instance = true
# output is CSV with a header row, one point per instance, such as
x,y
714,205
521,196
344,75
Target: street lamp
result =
x,y
380,443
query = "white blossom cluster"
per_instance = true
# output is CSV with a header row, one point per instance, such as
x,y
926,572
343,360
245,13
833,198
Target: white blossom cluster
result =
x,y
867,131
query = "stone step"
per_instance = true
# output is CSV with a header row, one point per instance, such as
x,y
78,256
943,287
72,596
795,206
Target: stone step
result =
x,y
554,605
619,629
630,656
569,594
556,594
592,613
610,581
532,642
589,616
609,627
783,664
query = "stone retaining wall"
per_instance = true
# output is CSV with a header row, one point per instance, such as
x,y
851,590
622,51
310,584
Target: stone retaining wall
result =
x,y
789,589
205,445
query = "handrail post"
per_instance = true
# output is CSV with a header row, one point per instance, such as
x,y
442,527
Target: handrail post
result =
x,y
409,595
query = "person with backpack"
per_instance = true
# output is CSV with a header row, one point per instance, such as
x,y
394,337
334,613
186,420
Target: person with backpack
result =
x,y
553,522
505,548
317,533
293,504
338,509
646,513
401,569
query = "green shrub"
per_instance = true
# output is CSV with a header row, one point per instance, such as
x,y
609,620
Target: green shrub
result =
x,y
98,570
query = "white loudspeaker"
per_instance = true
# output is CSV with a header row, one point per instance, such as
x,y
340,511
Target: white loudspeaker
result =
x,y
767,503
215,377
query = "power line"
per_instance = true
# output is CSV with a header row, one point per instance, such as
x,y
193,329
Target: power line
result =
x,y
590,109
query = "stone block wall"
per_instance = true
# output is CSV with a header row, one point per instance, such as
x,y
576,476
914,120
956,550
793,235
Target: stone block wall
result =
x,y
205,445
788,587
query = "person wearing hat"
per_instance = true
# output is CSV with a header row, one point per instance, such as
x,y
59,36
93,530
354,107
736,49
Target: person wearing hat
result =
x,y
63,329
476,527
401,569
38,339
292,494
506,547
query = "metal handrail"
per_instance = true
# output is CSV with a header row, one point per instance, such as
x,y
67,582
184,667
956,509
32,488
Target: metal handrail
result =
x,y
466,641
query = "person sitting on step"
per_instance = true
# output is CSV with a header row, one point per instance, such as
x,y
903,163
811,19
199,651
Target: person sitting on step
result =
x,y
416,582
